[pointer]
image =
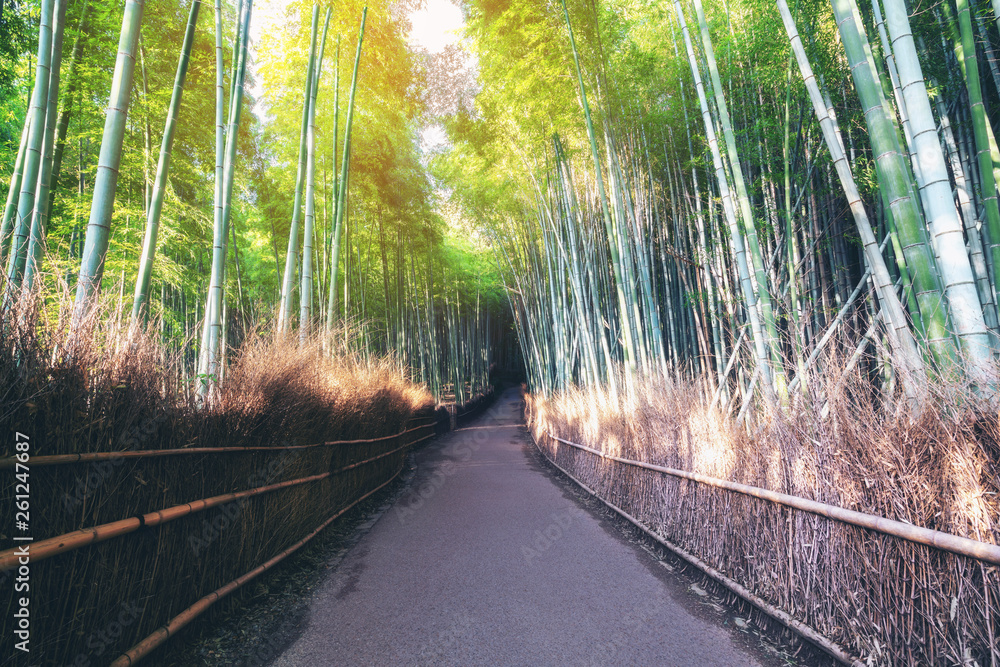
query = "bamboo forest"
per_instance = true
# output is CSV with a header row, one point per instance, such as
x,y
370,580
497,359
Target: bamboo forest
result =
x,y
734,266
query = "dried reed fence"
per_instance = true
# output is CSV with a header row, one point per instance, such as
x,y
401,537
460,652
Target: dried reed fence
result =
x,y
115,392
882,599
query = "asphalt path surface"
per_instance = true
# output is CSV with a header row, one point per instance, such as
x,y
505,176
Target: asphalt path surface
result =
x,y
487,560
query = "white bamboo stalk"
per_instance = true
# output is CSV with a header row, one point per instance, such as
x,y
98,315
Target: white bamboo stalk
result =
x,y
971,221
904,345
935,186
736,237
897,89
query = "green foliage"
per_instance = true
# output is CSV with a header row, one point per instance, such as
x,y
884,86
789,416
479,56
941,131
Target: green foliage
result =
x,y
18,35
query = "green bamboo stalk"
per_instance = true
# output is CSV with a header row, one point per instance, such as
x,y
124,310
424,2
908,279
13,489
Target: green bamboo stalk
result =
x,y
341,203
13,192
106,179
220,155
593,309
946,228
616,259
654,221
699,217
220,118
736,236
889,58
749,228
969,218
980,127
649,331
791,238
33,157
903,344
239,276
951,26
292,254
990,53
147,134
331,297
139,303
895,187
620,224
208,363
432,333
40,215
665,269
306,286
220,161
572,259
421,341
72,84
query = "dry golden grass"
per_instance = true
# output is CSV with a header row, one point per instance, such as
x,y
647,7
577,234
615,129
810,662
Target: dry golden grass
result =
x,y
885,600
112,390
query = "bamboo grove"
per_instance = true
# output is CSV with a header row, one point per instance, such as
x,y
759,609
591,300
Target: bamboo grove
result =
x,y
306,209
741,192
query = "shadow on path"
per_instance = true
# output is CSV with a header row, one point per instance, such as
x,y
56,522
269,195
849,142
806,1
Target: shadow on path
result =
x,y
486,559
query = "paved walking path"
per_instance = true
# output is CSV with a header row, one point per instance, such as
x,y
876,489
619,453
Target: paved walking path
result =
x,y
485,560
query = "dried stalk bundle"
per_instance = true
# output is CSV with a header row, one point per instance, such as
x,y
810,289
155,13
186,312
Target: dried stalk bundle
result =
x,y
886,600
118,391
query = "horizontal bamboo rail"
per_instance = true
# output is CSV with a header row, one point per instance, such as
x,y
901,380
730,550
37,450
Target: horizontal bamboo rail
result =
x,y
69,541
59,459
821,641
164,632
962,546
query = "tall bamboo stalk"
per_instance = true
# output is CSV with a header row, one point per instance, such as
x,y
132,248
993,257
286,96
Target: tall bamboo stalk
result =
x,y
341,202
72,85
220,121
106,179
33,155
736,236
292,254
40,215
306,286
969,218
624,305
903,343
331,297
895,185
139,302
947,235
981,127
774,374
208,366
13,193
